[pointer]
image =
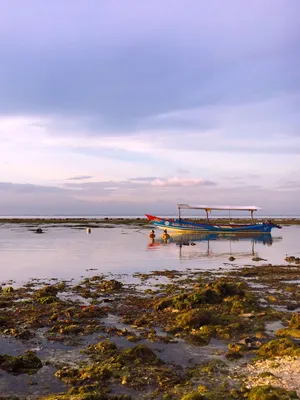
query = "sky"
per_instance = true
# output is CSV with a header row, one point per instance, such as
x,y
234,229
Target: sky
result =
x,y
128,107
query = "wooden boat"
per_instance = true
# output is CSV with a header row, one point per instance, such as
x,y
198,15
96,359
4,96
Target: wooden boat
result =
x,y
180,224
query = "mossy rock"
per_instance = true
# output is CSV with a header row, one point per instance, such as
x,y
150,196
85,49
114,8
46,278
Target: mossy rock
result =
x,y
107,346
227,288
85,392
193,396
278,347
8,290
109,286
268,392
164,303
77,376
288,332
46,291
47,299
142,353
235,347
290,259
91,311
257,259
214,366
70,329
202,335
233,355
193,319
212,293
4,322
28,363
295,321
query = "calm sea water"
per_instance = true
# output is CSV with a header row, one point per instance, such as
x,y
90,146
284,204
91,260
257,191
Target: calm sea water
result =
x,y
65,252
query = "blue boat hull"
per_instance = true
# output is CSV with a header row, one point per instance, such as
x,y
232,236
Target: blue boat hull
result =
x,y
182,225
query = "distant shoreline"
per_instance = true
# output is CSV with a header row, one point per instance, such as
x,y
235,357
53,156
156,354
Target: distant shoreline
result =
x,y
126,220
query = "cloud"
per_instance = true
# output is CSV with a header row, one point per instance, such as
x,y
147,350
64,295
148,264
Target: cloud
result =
x,y
113,198
80,178
142,179
138,184
179,182
18,188
113,66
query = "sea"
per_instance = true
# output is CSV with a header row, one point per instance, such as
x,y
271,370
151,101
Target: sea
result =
x,y
69,252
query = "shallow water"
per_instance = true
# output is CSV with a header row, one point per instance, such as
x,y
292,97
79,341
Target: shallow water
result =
x,y
65,252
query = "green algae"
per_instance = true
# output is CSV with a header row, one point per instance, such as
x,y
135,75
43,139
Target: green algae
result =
x,y
28,363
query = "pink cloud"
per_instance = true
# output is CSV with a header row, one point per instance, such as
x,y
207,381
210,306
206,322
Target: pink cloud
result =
x,y
177,182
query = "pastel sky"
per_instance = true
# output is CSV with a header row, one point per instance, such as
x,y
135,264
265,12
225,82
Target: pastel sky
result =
x,y
129,107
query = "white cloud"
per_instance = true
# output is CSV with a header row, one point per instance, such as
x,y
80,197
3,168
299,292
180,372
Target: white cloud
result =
x,y
179,182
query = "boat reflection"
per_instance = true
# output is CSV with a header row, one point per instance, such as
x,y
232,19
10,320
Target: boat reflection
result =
x,y
225,244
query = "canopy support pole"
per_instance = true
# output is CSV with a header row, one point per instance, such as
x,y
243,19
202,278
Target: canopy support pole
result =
x,y
207,215
251,215
179,212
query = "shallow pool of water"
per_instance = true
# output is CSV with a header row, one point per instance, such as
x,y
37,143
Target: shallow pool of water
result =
x,y
66,253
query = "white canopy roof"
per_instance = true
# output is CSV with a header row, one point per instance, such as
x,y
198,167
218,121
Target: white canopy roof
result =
x,y
208,208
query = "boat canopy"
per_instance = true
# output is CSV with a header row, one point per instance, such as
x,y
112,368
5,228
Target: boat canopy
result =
x,y
209,208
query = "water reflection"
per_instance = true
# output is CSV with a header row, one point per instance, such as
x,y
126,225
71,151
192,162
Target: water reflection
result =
x,y
225,244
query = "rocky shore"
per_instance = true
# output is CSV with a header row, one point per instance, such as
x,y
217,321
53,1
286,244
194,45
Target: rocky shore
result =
x,y
102,221
172,335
